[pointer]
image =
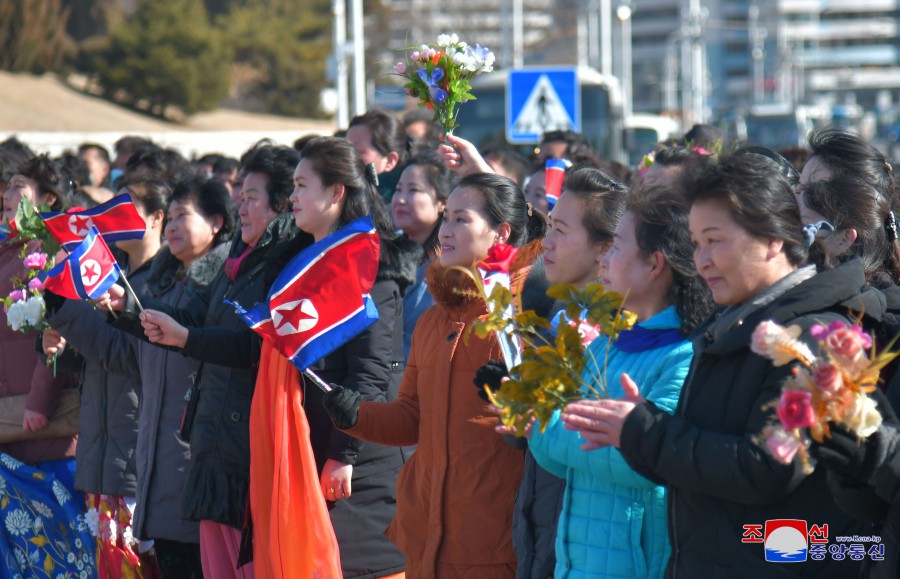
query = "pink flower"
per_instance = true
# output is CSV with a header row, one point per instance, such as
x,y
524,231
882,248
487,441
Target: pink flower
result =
x,y
36,285
828,377
415,55
795,411
848,342
17,295
400,67
782,446
36,260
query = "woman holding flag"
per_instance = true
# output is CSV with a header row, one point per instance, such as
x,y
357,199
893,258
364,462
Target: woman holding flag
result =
x,y
455,495
217,416
39,535
292,530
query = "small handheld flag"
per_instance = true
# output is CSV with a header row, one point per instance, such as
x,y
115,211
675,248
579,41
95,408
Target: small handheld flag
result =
x,y
87,273
115,220
320,300
555,174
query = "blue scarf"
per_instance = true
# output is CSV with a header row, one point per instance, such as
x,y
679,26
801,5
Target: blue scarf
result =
x,y
640,339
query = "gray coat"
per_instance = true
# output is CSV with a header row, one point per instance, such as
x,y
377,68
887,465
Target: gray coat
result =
x,y
162,457
108,424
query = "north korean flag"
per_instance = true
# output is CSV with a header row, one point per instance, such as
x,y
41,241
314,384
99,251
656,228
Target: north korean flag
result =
x,y
320,300
555,173
116,220
87,273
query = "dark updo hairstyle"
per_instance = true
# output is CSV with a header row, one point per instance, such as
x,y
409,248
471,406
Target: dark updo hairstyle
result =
x,y
13,153
661,224
388,133
76,167
759,199
51,180
336,161
154,162
152,195
848,202
441,180
211,199
847,153
779,163
278,163
504,202
603,200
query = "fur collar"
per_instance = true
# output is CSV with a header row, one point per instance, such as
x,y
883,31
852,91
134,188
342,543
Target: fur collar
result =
x,y
167,270
399,261
453,289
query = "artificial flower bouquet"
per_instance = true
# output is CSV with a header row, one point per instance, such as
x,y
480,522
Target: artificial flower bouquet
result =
x,y
828,387
24,306
551,371
440,74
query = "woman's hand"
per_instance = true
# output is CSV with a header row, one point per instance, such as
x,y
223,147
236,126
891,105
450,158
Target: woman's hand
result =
x,y
34,421
161,329
600,421
462,157
113,300
335,480
52,342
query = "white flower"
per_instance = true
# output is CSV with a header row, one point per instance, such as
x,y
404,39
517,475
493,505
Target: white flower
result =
x,y
863,418
61,576
15,315
2,486
445,40
9,462
77,543
18,522
42,509
779,344
70,558
61,493
113,529
83,575
34,311
79,564
92,519
20,559
38,525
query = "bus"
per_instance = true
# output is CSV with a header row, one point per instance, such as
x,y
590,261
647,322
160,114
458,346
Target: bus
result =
x,y
644,132
483,121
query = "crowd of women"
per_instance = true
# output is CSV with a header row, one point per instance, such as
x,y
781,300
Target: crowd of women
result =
x,y
171,472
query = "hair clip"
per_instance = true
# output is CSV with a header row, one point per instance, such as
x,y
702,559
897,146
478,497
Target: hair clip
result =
x,y
890,226
888,168
528,206
372,174
810,231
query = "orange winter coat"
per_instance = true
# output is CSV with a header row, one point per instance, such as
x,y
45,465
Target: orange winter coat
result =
x,y
455,496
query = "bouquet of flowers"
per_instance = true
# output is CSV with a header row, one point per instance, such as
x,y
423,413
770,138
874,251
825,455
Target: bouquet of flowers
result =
x,y
440,74
24,306
550,374
828,387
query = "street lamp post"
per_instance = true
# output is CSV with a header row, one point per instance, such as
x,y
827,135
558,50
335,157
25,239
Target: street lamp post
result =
x,y
624,12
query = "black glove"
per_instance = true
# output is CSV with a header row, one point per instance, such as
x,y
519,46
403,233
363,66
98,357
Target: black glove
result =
x,y
848,456
490,375
342,405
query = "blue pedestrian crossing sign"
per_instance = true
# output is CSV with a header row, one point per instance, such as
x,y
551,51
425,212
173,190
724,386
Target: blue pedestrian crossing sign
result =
x,y
539,100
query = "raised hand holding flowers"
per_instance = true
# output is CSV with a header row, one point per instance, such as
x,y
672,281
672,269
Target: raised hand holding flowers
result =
x,y
440,74
830,387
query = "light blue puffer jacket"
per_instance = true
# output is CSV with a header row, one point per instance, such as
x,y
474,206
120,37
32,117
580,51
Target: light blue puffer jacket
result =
x,y
613,521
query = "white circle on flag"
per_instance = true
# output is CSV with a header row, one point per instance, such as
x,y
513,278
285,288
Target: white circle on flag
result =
x,y
79,225
306,320
90,272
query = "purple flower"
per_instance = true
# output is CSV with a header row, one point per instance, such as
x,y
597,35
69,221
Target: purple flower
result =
x,y
438,94
36,260
17,295
400,67
36,285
